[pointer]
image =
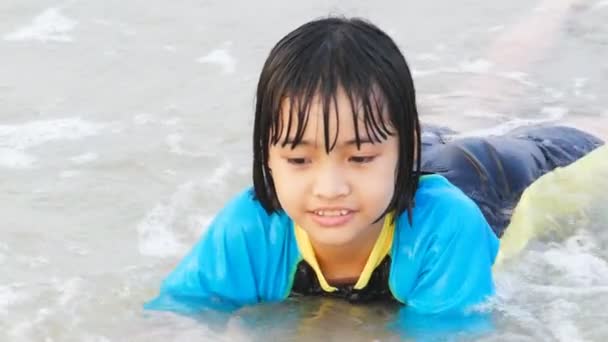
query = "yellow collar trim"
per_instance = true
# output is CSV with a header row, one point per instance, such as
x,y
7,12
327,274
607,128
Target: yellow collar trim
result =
x,y
381,248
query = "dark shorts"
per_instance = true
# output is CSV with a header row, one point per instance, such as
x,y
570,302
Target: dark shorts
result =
x,y
495,170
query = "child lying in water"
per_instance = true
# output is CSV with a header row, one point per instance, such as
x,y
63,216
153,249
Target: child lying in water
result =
x,y
350,198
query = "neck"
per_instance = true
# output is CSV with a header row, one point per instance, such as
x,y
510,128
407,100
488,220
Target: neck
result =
x,y
347,261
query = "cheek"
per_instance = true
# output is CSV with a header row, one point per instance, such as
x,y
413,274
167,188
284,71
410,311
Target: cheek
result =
x,y
379,185
285,185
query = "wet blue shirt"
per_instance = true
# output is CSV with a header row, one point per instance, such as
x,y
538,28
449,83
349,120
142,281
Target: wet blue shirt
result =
x,y
441,263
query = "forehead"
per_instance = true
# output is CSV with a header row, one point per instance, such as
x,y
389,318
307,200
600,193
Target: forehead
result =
x,y
332,118
317,108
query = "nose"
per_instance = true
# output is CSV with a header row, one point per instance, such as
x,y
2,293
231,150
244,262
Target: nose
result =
x,y
331,182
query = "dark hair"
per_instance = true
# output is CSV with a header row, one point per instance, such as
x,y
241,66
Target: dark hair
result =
x,y
318,58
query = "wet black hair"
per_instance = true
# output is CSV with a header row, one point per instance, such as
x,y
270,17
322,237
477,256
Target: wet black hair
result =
x,y
314,62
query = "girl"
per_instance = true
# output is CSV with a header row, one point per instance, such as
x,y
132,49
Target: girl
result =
x,y
340,205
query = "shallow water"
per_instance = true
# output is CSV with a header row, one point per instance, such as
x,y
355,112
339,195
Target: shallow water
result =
x,y
125,125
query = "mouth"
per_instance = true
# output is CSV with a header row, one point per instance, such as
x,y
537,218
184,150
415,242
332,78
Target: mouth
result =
x,y
332,217
331,212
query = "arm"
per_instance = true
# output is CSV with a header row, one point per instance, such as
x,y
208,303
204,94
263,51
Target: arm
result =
x,y
445,268
222,269
456,270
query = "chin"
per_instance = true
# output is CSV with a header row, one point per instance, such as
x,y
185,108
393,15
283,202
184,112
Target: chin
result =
x,y
332,240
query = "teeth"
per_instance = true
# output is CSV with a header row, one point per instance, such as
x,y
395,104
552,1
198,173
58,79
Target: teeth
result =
x,y
331,212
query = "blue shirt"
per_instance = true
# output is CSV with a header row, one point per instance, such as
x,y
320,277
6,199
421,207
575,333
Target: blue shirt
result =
x,y
440,263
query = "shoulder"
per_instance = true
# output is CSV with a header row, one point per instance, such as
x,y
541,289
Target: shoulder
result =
x,y
244,256
433,186
436,192
442,208
244,216
241,208
448,234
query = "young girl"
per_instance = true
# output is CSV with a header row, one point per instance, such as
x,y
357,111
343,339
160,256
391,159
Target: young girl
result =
x,y
339,205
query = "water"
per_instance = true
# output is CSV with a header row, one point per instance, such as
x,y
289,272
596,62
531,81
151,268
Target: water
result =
x,y
124,126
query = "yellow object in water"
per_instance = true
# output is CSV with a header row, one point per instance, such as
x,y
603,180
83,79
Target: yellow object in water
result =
x,y
564,192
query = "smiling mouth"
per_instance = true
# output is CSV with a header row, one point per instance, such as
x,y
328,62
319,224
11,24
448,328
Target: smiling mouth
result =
x,y
332,217
332,213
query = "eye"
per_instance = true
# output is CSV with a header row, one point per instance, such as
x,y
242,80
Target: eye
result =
x,y
297,161
362,159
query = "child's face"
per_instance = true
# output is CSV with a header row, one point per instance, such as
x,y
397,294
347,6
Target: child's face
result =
x,y
335,197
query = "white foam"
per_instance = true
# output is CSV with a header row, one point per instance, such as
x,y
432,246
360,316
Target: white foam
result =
x,y
23,329
576,259
154,231
155,237
34,133
68,290
84,158
174,141
554,290
143,118
237,330
15,139
199,223
476,66
33,261
15,159
559,317
477,113
219,174
49,26
517,76
429,72
552,114
8,297
580,82
222,58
